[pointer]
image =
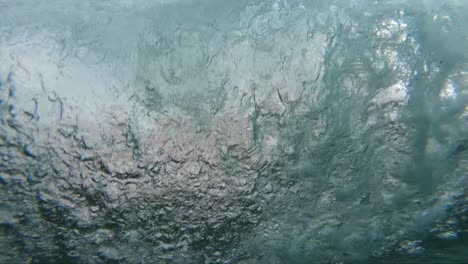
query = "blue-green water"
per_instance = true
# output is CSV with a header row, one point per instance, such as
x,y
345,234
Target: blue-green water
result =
x,y
202,131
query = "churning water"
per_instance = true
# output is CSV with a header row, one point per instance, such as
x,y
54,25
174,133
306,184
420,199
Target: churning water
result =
x,y
248,131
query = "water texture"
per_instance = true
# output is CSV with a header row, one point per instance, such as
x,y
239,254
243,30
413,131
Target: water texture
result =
x,y
203,131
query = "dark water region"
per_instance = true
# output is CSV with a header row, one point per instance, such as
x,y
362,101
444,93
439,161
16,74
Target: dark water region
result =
x,y
203,131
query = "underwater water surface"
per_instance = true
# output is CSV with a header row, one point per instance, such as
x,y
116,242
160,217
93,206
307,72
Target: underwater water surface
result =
x,y
249,131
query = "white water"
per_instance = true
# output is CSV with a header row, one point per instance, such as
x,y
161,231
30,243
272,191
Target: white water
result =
x,y
232,131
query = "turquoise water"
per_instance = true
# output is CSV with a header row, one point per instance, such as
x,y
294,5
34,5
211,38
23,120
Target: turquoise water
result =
x,y
202,131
